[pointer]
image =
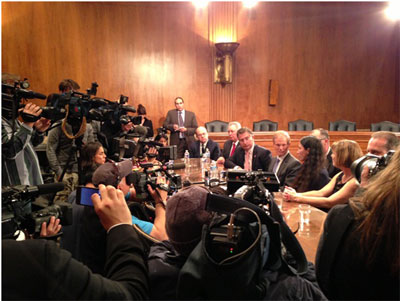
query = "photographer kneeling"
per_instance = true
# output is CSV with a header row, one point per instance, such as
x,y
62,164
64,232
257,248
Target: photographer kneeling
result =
x,y
38,269
358,254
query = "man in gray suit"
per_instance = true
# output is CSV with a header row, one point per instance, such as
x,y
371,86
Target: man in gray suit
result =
x,y
284,165
182,125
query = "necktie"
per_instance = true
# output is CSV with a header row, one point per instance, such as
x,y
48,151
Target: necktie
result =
x,y
180,119
233,149
276,165
180,123
203,148
247,161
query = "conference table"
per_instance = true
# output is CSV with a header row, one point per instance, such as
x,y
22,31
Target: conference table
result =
x,y
306,233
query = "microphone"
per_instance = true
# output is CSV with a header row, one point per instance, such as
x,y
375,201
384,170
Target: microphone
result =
x,y
30,94
50,188
175,166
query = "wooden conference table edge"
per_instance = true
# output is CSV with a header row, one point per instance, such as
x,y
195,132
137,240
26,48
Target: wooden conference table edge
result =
x,y
307,235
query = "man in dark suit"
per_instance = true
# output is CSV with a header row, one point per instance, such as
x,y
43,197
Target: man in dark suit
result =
x,y
232,143
199,147
323,136
284,165
40,270
249,156
182,125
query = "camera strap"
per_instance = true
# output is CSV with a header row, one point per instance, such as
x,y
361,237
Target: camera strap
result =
x,y
82,128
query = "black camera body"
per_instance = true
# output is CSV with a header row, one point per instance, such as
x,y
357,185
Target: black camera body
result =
x,y
374,163
253,186
19,213
149,177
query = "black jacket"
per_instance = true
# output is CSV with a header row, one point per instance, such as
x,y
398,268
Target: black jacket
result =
x,y
213,147
39,269
261,158
342,272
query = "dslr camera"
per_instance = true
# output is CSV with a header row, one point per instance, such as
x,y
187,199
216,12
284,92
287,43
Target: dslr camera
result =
x,y
374,163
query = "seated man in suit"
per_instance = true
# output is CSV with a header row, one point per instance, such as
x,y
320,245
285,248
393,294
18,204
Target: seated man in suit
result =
x,y
323,136
232,143
249,156
284,165
199,147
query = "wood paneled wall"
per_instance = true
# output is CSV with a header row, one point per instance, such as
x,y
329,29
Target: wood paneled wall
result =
x,y
332,60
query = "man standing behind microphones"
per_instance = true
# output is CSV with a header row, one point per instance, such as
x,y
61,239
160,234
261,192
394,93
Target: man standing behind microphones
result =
x,y
182,124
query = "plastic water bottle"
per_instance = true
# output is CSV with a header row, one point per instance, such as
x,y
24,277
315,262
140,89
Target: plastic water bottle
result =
x,y
208,156
203,163
213,170
186,158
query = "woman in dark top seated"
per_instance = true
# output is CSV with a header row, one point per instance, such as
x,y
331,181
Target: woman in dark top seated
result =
x,y
312,175
342,186
358,256
141,111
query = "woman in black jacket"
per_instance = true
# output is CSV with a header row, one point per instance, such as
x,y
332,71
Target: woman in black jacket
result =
x,y
358,255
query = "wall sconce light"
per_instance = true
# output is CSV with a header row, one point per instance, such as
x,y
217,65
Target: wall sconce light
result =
x,y
224,62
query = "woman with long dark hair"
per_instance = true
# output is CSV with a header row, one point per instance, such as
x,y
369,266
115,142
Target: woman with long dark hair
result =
x,y
342,186
92,156
358,255
312,174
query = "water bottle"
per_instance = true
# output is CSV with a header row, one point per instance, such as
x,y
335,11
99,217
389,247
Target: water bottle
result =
x,y
206,178
208,156
186,158
213,170
203,162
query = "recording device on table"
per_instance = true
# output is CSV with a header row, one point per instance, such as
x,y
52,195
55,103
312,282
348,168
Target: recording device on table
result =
x,y
19,213
374,163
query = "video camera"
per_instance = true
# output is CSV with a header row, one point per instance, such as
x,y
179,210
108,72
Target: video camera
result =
x,y
374,163
127,147
252,186
149,176
162,131
11,96
84,105
19,213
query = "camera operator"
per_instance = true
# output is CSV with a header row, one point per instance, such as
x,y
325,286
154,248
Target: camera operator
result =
x,y
92,250
61,150
358,256
186,216
20,164
38,269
